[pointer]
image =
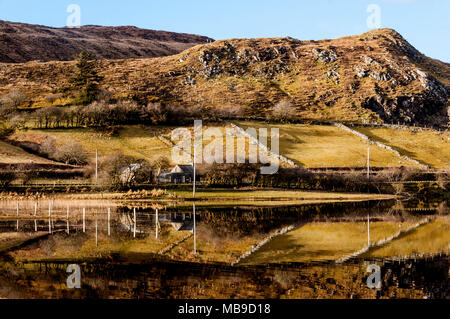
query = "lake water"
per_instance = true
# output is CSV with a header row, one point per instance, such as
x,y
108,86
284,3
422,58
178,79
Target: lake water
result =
x,y
302,251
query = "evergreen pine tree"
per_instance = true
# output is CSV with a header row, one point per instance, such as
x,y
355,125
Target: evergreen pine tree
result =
x,y
86,79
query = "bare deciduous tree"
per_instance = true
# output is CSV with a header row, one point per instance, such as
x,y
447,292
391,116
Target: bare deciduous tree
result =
x,y
71,153
284,111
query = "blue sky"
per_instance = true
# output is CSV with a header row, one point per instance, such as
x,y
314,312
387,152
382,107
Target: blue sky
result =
x,y
424,23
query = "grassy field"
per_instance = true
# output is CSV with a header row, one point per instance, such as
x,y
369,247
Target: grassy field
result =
x,y
307,145
223,194
429,147
10,154
322,242
135,141
431,238
327,146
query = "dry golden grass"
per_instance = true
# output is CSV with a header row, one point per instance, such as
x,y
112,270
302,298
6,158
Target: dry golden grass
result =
x,y
327,146
135,141
10,154
267,195
429,147
256,84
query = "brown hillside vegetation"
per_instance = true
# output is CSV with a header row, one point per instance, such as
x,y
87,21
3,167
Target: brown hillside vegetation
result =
x,y
21,42
377,76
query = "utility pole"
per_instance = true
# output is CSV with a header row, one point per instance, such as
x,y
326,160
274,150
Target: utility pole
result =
x,y
156,224
96,166
109,221
193,205
193,180
195,237
134,218
368,162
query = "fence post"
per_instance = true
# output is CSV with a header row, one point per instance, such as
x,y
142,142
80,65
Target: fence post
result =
x,y
109,221
134,229
68,226
17,221
84,220
156,223
194,231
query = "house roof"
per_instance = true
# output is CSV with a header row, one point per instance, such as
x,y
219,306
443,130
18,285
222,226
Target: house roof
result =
x,y
187,169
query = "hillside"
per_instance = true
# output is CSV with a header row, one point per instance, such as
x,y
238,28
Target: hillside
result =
x,y
377,76
26,42
311,146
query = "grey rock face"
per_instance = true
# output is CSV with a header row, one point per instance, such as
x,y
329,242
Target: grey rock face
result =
x,y
380,76
361,72
334,74
325,56
189,80
412,109
433,86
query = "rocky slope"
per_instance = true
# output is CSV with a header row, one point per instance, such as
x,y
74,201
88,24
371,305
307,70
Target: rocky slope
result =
x,y
376,76
26,42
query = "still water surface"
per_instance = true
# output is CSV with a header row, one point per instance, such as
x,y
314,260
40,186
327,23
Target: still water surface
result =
x,y
152,251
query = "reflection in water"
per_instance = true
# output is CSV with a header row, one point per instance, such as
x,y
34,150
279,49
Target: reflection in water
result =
x,y
423,278
177,252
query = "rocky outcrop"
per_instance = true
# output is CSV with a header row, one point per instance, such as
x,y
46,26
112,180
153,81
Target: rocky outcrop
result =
x,y
435,88
373,77
409,109
325,56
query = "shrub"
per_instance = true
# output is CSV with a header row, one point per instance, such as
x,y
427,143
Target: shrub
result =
x,y
25,174
9,103
71,153
6,128
111,170
18,122
52,98
13,99
283,111
48,147
154,113
6,178
231,111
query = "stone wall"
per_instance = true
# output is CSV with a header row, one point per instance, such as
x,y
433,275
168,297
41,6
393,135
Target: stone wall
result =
x,y
379,144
